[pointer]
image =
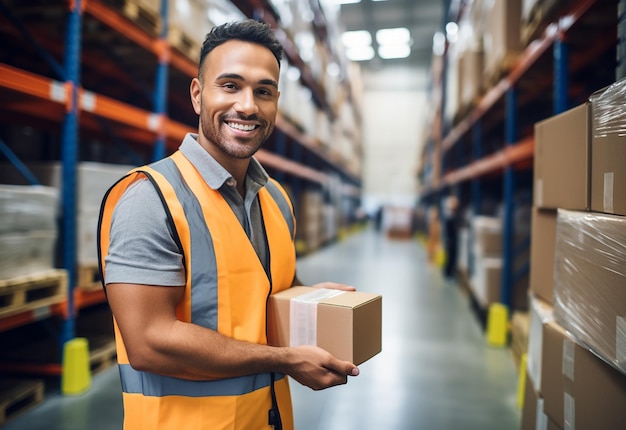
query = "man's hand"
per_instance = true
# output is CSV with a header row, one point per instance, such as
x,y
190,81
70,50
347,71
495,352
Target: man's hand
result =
x,y
317,369
334,286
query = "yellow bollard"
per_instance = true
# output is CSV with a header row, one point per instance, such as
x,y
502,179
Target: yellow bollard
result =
x,y
497,325
521,382
75,372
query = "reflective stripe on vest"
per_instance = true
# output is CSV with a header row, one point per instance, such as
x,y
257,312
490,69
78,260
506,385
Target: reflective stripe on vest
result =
x,y
150,384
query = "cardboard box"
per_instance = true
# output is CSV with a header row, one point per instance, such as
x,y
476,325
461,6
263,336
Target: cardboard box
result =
x,y
562,160
534,416
540,313
502,37
608,148
589,282
486,282
542,246
579,389
487,233
346,324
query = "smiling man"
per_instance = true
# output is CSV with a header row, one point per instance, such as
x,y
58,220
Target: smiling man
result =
x,y
192,246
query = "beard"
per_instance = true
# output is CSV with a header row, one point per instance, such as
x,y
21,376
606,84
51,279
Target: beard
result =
x,y
234,146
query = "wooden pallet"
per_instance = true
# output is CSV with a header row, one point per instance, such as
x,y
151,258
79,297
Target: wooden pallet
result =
x,y
42,358
102,354
146,18
185,44
32,291
18,395
89,278
541,14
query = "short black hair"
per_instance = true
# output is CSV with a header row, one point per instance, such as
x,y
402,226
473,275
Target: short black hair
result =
x,y
248,30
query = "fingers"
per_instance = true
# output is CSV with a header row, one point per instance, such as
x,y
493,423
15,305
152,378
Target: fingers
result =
x,y
319,370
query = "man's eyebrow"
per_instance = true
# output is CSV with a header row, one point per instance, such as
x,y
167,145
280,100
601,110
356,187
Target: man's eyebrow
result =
x,y
238,77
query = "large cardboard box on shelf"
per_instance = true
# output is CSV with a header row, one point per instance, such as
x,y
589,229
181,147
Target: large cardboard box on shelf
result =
x,y
487,236
608,150
542,244
577,386
540,313
346,324
487,280
471,65
562,160
533,414
502,38
486,284
589,282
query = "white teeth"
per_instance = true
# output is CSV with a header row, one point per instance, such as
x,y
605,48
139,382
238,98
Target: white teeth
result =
x,y
242,127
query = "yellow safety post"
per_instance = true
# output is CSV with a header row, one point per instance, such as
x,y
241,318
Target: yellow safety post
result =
x,y
75,372
497,325
521,382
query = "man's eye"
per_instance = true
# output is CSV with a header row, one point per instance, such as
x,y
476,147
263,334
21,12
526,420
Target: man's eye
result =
x,y
230,86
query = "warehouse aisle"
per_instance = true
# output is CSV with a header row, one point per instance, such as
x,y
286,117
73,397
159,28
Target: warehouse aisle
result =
x,y
435,371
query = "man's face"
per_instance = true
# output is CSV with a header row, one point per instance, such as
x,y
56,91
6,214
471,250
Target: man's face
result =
x,y
237,98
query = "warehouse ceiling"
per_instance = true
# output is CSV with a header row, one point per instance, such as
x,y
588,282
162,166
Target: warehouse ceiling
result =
x,y
423,18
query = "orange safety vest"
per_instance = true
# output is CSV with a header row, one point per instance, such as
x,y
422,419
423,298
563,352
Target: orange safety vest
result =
x,y
226,290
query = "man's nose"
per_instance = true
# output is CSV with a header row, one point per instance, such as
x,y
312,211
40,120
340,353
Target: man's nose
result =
x,y
246,102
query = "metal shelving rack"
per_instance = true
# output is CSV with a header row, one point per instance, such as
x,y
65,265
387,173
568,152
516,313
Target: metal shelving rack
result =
x,y
57,96
494,141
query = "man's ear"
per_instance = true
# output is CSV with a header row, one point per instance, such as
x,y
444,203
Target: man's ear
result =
x,y
195,91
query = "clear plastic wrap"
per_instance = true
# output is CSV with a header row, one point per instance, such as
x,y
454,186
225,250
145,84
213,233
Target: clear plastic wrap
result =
x,y
25,208
590,282
608,150
609,116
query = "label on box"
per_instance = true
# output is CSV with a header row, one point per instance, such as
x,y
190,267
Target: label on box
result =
x,y
539,192
608,192
620,342
303,316
568,359
568,412
541,419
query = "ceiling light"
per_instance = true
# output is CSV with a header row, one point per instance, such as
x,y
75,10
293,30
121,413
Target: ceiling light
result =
x,y
393,36
340,2
452,31
439,43
352,39
393,51
362,53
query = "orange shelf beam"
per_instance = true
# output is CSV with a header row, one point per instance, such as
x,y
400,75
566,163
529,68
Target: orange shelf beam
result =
x,y
510,155
288,166
32,84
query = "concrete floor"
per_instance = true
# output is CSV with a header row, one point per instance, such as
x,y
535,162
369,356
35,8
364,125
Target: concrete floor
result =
x,y
435,372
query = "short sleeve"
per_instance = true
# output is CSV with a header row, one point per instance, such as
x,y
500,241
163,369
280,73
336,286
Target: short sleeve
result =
x,y
142,248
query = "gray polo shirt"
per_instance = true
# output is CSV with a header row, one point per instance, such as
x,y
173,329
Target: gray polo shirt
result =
x,y
142,248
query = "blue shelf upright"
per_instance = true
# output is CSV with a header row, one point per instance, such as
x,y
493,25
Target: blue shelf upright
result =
x,y
508,228
160,90
69,158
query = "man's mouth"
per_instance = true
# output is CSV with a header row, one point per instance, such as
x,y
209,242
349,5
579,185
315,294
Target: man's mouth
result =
x,y
242,127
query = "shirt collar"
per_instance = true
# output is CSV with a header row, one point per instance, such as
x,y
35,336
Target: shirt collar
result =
x,y
214,174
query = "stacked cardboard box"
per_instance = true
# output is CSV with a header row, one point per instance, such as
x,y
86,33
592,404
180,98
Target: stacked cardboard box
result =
x,y
577,359
485,282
